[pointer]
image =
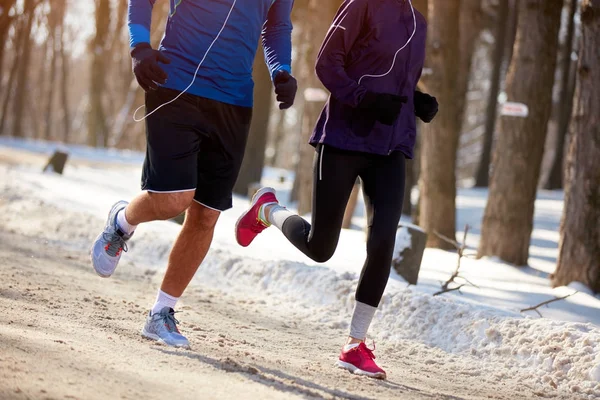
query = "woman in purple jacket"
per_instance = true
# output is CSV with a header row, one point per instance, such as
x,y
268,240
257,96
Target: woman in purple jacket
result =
x,y
370,61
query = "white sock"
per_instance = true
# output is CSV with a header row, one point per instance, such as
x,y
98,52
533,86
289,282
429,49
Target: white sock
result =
x,y
349,347
163,300
361,320
123,224
278,215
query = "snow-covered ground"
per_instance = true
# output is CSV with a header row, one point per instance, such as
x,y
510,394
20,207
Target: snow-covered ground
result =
x,y
483,323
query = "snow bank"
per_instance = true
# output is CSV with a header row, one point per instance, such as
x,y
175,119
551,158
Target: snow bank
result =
x,y
501,343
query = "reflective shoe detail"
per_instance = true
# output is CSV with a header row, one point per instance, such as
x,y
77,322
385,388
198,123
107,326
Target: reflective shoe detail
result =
x,y
249,225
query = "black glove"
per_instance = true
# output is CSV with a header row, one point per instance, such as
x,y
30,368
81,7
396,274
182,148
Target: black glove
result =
x,y
285,89
385,107
145,66
426,106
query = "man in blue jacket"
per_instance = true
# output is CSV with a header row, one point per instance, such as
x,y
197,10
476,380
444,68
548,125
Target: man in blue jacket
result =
x,y
199,93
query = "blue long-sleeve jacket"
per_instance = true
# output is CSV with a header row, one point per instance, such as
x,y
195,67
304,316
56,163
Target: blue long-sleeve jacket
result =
x,y
357,56
226,73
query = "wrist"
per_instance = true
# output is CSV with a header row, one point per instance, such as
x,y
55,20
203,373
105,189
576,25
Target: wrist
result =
x,y
139,47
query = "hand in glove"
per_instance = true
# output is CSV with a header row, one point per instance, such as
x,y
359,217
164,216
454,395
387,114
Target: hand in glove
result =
x,y
385,107
145,66
285,89
426,106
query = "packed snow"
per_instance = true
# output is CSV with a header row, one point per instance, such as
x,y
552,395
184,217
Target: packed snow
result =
x,y
481,325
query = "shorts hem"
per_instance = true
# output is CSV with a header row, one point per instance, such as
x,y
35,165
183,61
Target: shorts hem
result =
x,y
209,207
169,191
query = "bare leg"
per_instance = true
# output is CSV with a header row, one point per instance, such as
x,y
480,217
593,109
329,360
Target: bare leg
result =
x,y
190,248
151,206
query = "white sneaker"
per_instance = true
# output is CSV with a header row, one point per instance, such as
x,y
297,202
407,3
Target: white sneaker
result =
x,y
108,246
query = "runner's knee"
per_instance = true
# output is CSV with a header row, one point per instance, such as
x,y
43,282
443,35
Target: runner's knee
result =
x,y
170,205
201,218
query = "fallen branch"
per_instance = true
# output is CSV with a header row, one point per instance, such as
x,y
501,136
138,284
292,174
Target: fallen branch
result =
x,y
544,303
461,253
449,290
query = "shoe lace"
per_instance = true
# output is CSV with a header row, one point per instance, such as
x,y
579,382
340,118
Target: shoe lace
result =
x,y
368,351
169,321
115,243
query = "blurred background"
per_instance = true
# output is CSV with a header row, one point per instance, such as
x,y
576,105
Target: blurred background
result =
x,y
515,81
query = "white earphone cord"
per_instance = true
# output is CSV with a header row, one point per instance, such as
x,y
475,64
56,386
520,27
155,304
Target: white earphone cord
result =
x,y
398,51
195,73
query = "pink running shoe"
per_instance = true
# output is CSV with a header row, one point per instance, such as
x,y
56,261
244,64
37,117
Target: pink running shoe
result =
x,y
360,361
249,225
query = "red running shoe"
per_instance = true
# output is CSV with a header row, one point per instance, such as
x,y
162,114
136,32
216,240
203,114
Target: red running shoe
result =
x,y
360,361
249,225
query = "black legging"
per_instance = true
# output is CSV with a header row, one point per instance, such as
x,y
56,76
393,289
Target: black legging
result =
x,y
335,173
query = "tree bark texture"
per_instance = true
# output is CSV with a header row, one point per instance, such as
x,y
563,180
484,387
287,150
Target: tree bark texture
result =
x,y
565,105
321,18
508,216
483,170
97,126
437,208
21,91
579,247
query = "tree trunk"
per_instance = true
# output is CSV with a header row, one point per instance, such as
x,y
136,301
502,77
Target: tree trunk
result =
x,y
22,72
320,19
555,178
437,208
12,78
412,166
482,176
97,126
64,85
579,247
5,23
126,132
53,21
508,216
421,6
254,157
469,30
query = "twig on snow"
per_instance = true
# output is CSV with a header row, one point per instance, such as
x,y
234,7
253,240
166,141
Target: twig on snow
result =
x,y
544,303
461,253
449,290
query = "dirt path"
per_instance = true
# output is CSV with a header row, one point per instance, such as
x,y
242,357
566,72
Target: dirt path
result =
x,y
66,333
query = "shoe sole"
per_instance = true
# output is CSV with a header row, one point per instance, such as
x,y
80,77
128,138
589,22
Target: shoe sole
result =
x,y
255,198
158,339
358,371
98,238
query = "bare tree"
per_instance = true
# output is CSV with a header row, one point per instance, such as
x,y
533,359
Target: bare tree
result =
x,y
437,203
482,176
12,77
6,21
565,103
19,98
320,19
64,76
579,247
97,126
470,24
55,19
508,216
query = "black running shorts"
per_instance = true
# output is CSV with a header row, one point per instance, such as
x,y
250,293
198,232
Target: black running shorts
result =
x,y
194,143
